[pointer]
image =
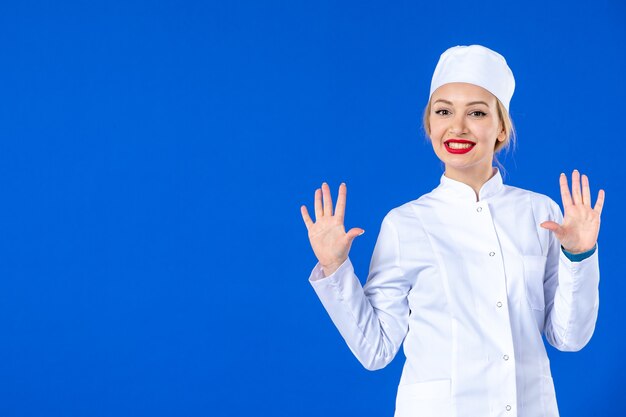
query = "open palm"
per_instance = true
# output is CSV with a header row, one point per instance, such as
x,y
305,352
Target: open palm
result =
x,y
581,223
327,234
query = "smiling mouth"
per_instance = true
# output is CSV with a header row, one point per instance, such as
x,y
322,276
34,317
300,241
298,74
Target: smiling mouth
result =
x,y
459,146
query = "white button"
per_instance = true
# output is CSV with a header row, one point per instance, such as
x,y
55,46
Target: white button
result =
x,y
492,254
505,357
499,304
508,408
479,209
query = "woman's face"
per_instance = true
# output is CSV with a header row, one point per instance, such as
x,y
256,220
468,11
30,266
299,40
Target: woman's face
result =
x,y
464,127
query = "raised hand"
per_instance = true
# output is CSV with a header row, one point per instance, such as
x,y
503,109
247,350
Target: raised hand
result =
x,y
327,235
581,222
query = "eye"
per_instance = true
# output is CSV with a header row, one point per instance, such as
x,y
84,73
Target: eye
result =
x,y
442,112
478,113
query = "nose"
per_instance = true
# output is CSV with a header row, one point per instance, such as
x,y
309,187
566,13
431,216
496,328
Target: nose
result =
x,y
457,124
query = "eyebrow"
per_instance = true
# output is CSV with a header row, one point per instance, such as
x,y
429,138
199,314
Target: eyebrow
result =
x,y
468,104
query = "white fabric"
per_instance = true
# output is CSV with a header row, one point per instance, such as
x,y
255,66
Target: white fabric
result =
x,y
469,287
476,65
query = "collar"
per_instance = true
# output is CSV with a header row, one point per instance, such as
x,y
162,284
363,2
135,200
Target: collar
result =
x,y
458,190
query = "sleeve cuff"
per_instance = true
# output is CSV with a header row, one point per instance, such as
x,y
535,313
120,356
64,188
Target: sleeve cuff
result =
x,y
318,274
577,257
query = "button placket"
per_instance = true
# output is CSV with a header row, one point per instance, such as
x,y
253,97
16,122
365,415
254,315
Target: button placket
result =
x,y
499,320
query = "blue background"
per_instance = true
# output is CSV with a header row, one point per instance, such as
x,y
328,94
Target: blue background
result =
x,y
154,156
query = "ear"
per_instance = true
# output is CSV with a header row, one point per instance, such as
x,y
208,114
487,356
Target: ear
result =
x,y
501,135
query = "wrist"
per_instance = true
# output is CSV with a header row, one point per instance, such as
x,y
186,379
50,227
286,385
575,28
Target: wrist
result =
x,y
331,268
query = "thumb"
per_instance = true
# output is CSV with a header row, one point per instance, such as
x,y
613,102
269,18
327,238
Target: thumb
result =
x,y
552,226
353,233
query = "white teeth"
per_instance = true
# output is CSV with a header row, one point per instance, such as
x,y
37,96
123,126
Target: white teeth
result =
x,y
457,145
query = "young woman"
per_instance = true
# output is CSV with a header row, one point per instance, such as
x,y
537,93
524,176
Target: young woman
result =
x,y
470,275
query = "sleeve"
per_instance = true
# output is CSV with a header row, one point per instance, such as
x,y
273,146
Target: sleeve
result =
x,y
372,319
571,294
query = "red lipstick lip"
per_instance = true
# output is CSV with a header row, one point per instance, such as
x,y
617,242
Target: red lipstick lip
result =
x,y
458,151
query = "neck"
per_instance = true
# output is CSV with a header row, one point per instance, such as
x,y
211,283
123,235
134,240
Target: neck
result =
x,y
475,177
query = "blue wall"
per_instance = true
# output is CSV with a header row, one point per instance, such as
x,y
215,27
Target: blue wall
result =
x,y
154,156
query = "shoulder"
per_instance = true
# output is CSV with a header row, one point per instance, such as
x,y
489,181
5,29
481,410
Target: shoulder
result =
x,y
409,211
399,216
535,197
406,219
541,204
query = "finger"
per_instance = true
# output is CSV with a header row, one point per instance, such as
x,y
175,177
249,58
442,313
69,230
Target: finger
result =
x,y
586,191
340,209
599,202
566,197
354,232
318,205
305,216
328,200
577,197
550,225
553,227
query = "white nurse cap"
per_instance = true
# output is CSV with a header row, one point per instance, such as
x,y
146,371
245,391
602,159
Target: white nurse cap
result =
x,y
476,65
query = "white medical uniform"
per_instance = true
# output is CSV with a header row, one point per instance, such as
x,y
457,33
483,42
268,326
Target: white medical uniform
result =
x,y
469,287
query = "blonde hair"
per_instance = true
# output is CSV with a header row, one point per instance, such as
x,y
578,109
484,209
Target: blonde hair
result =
x,y
503,115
